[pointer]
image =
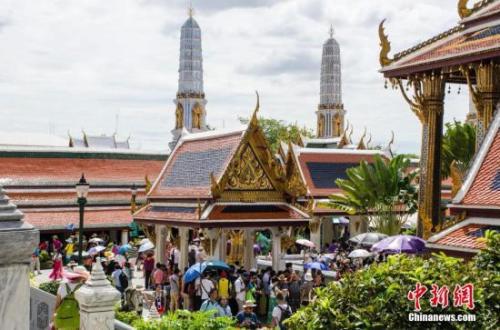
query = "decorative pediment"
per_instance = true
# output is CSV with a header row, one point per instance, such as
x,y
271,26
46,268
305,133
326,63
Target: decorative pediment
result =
x,y
246,173
294,183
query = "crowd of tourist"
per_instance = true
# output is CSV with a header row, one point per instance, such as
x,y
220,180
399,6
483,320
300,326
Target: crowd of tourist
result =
x,y
254,297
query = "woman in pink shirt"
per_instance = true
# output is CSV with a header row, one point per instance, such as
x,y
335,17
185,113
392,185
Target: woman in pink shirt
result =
x,y
158,276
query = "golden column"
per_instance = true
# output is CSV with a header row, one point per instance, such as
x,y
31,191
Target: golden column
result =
x,y
428,104
485,94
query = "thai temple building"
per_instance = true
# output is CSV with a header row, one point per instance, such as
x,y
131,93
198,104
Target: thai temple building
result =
x,y
190,113
467,54
98,142
41,182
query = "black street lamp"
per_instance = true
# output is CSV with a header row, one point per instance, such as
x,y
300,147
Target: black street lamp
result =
x,y
82,189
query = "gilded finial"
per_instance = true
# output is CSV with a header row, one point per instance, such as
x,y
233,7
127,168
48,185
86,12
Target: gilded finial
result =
x,y
254,120
331,31
350,134
190,9
343,139
385,46
463,11
361,144
147,188
369,141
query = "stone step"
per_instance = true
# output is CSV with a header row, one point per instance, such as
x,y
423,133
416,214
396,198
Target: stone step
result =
x,y
15,215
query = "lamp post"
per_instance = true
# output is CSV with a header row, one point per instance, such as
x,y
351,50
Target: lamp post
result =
x,y
82,189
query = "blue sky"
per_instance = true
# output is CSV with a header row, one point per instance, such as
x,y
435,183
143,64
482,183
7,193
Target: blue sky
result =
x,y
68,65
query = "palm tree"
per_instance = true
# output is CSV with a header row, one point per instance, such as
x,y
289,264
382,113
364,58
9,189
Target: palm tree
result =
x,y
382,193
459,145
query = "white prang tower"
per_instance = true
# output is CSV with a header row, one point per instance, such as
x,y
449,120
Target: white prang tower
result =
x,y
330,113
190,113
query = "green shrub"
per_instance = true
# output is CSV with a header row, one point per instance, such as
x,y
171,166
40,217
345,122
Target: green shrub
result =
x,y
186,320
126,317
44,256
376,298
50,287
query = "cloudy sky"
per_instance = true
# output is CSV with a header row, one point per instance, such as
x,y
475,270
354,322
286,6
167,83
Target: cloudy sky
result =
x,y
68,65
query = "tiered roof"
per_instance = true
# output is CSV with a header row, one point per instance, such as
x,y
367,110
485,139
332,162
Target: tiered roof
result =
x,y
476,37
42,180
478,201
224,179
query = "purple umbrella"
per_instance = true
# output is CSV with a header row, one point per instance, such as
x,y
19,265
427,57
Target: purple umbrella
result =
x,y
400,244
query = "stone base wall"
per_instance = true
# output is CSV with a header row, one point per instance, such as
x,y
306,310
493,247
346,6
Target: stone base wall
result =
x,y
14,297
41,309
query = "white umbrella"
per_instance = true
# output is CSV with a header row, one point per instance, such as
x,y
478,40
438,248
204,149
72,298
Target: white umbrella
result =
x,y
146,246
359,253
96,240
144,241
305,242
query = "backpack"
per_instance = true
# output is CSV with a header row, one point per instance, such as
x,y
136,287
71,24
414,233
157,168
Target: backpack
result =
x,y
285,314
67,315
123,280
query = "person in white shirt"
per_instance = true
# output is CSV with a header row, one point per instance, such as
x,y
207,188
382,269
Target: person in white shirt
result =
x,y
205,286
239,287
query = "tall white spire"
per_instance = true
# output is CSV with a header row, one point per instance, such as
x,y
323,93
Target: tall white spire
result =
x,y
330,114
190,102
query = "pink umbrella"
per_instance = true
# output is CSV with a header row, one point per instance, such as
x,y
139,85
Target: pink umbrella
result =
x,y
305,242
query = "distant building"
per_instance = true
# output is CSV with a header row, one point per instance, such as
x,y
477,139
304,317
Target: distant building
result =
x,y
41,181
98,142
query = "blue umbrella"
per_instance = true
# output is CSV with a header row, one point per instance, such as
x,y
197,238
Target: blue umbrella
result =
x,y
194,271
124,249
315,265
217,264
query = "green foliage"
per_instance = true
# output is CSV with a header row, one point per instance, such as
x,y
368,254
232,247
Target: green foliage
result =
x,y
186,320
278,130
384,188
50,287
44,256
459,145
376,298
126,317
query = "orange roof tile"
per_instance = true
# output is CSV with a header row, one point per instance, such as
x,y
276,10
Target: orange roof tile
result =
x,y
53,171
465,237
55,219
484,190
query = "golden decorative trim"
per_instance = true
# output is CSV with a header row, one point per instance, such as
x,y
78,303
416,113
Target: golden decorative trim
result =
x,y
361,143
197,114
179,116
246,173
463,11
148,186
385,46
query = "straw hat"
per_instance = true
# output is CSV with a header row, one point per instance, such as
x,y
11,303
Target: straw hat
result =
x,y
249,303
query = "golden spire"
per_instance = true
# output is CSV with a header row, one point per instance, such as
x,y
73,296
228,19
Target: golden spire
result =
x,y
190,9
254,119
361,144
463,11
385,46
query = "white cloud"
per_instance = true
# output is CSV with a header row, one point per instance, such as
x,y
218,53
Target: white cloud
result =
x,y
73,64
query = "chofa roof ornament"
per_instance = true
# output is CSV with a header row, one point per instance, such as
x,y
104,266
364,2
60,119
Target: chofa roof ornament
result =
x,y
385,46
463,11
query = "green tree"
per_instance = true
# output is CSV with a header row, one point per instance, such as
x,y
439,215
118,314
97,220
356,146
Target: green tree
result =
x,y
278,130
382,193
376,298
459,145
